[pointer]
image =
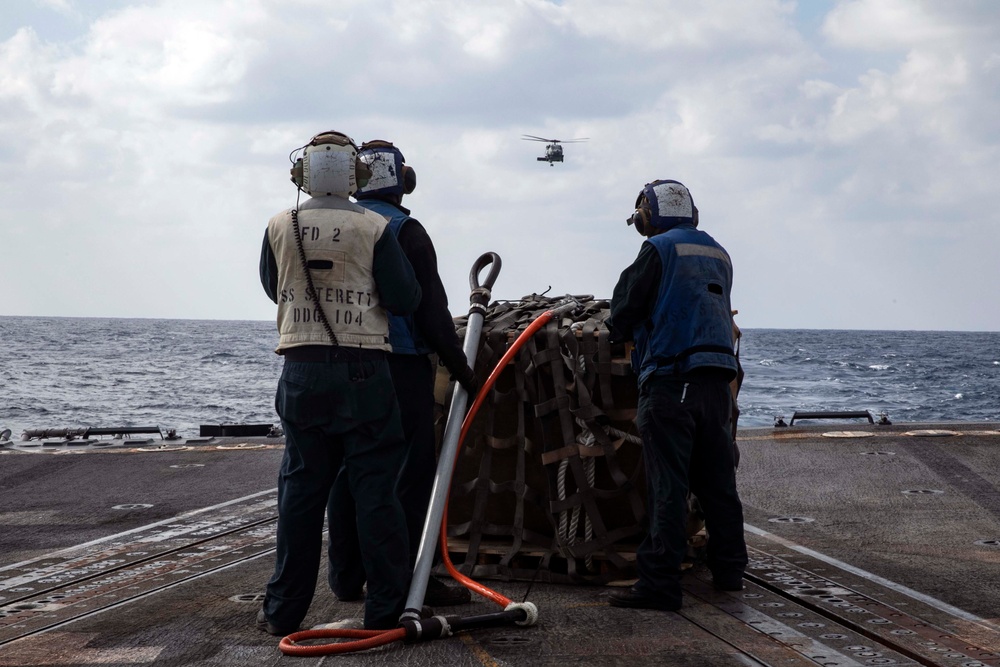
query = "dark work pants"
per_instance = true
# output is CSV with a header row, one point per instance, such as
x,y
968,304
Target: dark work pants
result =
x,y
413,377
684,421
339,413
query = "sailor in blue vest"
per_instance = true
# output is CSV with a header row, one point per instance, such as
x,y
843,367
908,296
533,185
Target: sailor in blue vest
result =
x,y
673,302
414,338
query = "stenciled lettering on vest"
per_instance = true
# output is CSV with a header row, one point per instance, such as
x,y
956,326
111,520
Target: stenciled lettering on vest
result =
x,y
340,295
336,316
313,234
337,296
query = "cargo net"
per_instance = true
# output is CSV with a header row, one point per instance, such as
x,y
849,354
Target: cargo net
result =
x,y
548,483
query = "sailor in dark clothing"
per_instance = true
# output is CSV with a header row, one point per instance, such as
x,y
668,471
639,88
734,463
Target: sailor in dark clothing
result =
x,y
674,303
414,338
336,271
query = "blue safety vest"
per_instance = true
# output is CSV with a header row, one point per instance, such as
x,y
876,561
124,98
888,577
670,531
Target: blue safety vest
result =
x,y
691,325
403,334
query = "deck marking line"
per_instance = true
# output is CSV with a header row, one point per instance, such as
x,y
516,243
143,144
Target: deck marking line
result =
x,y
899,588
477,650
155,591
99,540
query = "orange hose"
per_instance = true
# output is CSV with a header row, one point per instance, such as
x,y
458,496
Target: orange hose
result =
x,y
364,639
472,585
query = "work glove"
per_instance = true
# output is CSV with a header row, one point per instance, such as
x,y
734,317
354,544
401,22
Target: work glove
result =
x,y
467,378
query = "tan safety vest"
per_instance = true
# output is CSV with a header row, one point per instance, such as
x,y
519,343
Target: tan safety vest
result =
x,y
340,246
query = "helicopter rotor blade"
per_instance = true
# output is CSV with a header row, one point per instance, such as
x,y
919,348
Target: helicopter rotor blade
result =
x,y
531,137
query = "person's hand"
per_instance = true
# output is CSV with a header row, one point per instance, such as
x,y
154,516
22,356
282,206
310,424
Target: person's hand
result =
x,y
467,378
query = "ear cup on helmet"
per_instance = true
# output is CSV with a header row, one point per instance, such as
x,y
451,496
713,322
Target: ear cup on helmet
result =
x,y
641,221
409,180
642,215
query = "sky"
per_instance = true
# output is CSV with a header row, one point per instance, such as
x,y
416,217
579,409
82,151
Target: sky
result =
x,y
845,152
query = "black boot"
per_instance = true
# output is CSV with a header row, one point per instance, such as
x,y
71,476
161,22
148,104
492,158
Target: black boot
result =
x,y
637,599
439,594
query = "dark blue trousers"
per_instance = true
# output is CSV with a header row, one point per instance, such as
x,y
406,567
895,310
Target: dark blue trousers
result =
x,y
684,421
413,377
339,414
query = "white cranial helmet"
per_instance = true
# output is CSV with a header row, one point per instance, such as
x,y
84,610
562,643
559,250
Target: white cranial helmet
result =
x,y
330,166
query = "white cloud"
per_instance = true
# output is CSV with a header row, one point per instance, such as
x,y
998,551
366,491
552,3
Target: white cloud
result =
x,y
885,24
862,110
929,79
60,6
153,60
140,158
648,27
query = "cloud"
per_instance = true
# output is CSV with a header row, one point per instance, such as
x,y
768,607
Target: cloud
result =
x,y
142,152
60,6
885,25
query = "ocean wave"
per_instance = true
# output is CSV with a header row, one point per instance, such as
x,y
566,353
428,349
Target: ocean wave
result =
x,y
180,374
219,355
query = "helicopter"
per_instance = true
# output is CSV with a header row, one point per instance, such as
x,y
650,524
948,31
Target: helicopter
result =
x,y
553,151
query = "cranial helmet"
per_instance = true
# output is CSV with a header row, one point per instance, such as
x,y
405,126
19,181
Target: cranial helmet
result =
x,y
662,205
329,165
389,175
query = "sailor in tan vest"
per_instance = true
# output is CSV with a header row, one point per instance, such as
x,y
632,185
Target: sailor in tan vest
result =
x,y
335,269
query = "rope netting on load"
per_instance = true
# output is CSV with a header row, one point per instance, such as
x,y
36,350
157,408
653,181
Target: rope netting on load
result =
x,y
549,482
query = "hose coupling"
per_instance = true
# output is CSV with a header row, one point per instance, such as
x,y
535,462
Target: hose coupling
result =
x,y
480,296
426,629
529,609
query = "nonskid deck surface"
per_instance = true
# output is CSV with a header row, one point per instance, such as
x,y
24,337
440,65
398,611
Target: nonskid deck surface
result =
x,y
868,545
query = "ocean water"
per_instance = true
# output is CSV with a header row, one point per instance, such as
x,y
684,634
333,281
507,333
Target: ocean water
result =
x,y
912,376
97,372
